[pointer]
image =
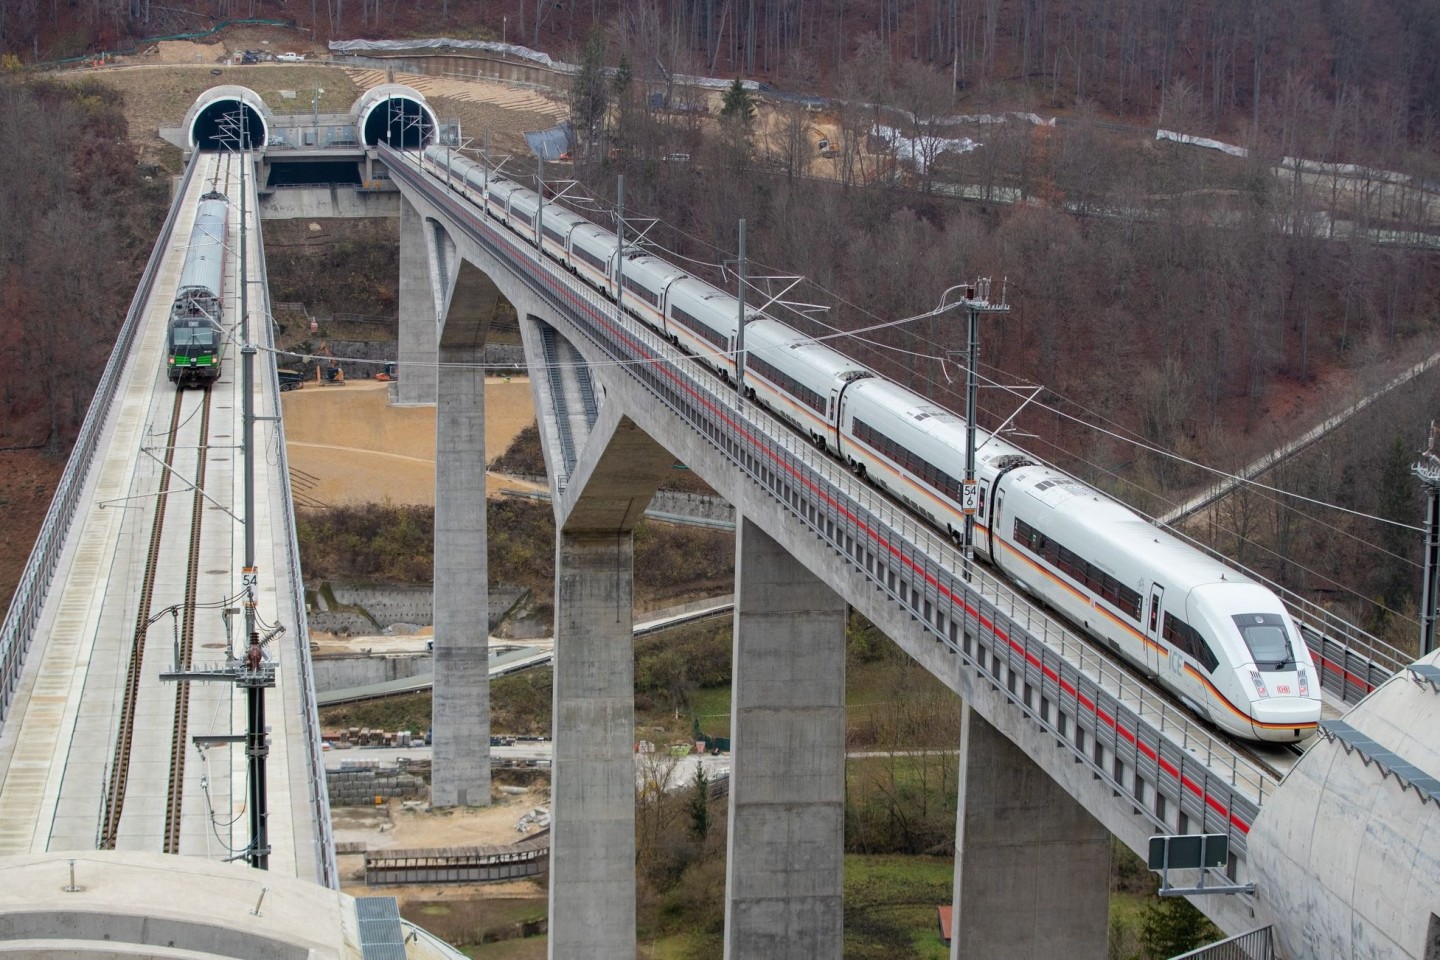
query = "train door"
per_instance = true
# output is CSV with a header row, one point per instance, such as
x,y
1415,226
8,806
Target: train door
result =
x,y
995,521
1153,626
832,421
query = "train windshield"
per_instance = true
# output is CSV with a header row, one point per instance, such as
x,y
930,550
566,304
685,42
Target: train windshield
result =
x,y
194,337
1268,638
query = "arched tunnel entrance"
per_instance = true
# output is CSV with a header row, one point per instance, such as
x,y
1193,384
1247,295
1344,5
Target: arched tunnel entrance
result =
x,y
400,122
228,118
224,124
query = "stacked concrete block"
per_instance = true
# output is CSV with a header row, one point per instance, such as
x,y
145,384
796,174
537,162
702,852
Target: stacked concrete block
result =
x,y
360,787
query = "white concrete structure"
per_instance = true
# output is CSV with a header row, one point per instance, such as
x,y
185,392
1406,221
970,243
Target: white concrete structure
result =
x,y
202,121
1348,857
110,906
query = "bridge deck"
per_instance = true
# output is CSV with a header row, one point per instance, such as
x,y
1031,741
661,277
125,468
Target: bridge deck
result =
x,y
61,735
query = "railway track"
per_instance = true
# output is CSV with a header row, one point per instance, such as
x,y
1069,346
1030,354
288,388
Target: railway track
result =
x,y
116,788
125,727
175,794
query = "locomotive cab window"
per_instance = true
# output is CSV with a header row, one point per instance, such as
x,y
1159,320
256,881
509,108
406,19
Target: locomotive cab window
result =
x,y
1268,639
194,337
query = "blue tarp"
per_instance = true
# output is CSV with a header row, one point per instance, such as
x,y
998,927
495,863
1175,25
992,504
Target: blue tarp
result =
x,y
553,143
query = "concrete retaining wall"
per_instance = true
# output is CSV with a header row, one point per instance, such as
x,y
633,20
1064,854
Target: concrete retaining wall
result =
x,y
343,672
379,606
332,200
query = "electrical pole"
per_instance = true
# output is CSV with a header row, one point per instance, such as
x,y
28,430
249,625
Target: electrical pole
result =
x,y
254,680
620,251
976,300
540,210
740,327
1428,470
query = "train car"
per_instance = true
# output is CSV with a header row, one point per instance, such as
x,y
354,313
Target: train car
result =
x,y
555,225
591,256
647,281
798,379
195,336
1224,644
704,320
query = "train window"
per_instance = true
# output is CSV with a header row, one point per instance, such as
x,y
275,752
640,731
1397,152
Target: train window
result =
x,y
642,291
1082,571
786,382
592,260
1268,639
1188,641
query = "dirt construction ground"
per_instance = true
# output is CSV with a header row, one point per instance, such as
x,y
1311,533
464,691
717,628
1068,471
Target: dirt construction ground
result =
x,y
348,445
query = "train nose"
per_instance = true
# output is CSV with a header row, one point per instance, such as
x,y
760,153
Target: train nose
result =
x,y
1285,717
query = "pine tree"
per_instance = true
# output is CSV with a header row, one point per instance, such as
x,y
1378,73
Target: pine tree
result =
x,y
700,805
737,104
1170,926
590,94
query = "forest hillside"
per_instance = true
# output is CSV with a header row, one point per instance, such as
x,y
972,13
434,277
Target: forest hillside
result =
x,y
1175,297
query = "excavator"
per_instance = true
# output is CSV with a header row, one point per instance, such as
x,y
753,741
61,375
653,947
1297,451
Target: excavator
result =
x,y
328,372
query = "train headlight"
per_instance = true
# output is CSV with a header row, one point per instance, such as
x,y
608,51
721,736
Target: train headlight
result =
x,y
1304,681
1259,684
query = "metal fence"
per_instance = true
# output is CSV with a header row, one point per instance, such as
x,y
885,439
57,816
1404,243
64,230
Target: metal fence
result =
x,y
29,600
310,717
1255,945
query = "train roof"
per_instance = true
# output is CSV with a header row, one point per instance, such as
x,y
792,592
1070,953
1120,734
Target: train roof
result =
x,y
815,354
1115,529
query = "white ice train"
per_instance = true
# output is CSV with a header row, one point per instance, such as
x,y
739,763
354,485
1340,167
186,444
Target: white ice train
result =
x,y
1221,642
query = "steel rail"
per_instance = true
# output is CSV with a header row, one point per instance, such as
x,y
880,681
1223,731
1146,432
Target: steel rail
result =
x,y
175,793
125,725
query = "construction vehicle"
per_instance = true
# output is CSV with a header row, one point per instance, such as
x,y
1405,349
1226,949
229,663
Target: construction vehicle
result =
x,y
328,372
387,373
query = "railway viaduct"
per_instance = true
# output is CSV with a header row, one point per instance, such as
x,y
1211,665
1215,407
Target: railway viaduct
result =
x,y
1051,767
1061,748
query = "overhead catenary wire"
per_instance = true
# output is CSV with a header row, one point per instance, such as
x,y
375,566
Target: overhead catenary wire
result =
x,y
882,324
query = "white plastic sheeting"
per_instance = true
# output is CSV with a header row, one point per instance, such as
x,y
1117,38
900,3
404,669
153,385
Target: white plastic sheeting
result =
x,y
508,49
1209,144
923,149
397,46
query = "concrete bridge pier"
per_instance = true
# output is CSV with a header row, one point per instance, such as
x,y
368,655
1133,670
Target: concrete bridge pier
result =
x,y
785,872
1032,866
417,348
460,705
592,808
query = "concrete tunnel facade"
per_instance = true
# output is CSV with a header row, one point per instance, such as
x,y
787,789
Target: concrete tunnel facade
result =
x,y
223,115
394,114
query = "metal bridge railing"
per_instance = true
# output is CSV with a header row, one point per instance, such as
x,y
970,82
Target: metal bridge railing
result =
x,y
1165,766
29,600
315,766
1255,945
